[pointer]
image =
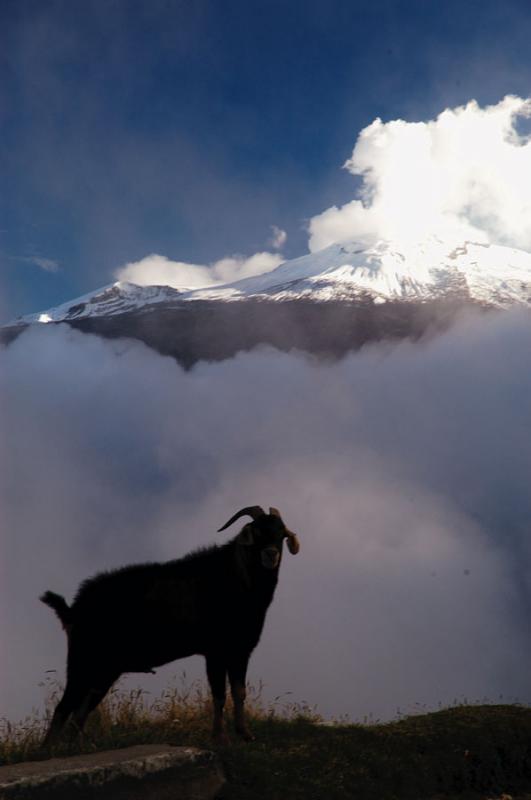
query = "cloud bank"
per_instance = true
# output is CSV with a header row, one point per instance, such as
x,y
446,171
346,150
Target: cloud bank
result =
x,y
463,175
404,470
159,270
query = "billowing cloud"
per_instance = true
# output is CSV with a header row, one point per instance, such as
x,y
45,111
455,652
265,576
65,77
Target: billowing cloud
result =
x,y
159,270
404,469
463,175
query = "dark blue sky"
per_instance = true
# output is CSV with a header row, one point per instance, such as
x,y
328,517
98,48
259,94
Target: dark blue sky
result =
x,y
189,128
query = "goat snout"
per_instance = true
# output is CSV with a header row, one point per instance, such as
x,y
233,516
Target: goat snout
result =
x,y
270,557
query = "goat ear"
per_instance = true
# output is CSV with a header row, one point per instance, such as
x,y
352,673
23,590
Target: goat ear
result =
x,y
246,536
274,512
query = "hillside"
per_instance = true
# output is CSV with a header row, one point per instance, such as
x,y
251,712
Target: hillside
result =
x,y
213,331
459,753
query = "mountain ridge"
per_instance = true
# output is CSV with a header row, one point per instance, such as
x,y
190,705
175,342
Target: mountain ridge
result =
x,y
488,274
325,304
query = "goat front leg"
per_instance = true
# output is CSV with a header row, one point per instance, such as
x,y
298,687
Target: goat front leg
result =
x,y
237,675
217,678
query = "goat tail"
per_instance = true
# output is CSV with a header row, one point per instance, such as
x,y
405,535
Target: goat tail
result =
x,y
60,606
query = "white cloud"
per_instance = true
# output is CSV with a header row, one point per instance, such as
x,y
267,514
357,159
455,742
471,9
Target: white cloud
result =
x,y
159,270
404,470
46,264
278,238
236,267
463,175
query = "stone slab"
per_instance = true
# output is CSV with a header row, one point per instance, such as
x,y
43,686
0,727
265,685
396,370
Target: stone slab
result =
x,y
143,772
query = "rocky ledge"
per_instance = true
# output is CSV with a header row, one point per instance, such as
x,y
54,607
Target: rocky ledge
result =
x,y
144,771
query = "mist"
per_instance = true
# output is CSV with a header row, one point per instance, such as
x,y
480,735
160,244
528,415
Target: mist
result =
x,y
404,469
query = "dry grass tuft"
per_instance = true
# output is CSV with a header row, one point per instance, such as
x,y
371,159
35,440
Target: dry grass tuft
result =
x,y
180,714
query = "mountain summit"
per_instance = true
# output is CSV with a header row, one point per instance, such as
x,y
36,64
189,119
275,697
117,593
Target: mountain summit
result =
x,y
326,302
490,274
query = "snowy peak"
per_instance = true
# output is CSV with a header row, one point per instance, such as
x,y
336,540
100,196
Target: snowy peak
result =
x,y
385,271
117,298
419,272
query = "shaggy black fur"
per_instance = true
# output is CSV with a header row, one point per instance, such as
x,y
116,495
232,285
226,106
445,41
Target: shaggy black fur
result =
x,y
212,602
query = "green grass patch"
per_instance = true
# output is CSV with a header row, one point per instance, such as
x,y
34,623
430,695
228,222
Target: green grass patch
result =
x,y
481,751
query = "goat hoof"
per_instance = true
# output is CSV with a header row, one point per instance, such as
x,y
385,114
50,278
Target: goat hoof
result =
x,y
221,738
246,735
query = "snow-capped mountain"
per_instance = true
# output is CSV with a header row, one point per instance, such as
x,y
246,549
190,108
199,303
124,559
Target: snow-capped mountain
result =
x,y
488,274
117,298
325,303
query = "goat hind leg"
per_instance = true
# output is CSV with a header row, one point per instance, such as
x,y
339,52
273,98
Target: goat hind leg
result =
x,y
72,696
90,700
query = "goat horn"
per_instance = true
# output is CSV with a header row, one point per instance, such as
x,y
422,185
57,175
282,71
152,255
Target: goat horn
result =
x,y
293,542
250,511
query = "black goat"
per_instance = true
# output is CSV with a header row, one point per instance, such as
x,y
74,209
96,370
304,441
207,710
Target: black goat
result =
x,y
212,602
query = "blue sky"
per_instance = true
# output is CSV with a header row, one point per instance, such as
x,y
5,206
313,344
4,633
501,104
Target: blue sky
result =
x,y
189,128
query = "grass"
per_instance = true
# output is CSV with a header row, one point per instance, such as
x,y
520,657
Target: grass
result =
x,y
467,751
